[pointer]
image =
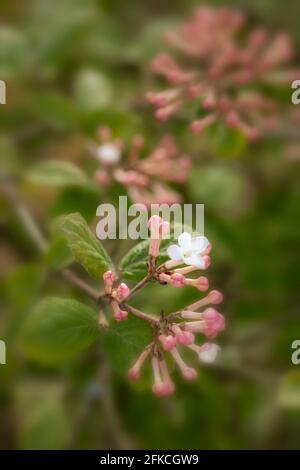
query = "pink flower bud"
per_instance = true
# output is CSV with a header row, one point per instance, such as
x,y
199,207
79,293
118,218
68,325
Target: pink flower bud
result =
x,y
184,338
119,315
102,177
109,277
168,341
158,229
187,372
122,292
177,280
163,385
198,126
201,283
135,371
215,297
211,323
153,224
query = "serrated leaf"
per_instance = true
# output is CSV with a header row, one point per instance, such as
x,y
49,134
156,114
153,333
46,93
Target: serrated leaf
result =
x,y
57,329
84,246
57,173
124,341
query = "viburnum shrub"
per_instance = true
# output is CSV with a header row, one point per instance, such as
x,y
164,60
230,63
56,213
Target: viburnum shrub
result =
x,y
216,63
222,68
58,328
144,177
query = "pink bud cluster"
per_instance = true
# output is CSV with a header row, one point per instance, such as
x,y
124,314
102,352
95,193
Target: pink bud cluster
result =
x,y
175,331
146,178
225,63
116,295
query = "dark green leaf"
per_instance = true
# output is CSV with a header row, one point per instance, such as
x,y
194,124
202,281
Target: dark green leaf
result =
x,y
57,329
125,341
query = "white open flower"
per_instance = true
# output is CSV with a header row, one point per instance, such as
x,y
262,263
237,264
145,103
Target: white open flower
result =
x,y
189,251
108,153
208,352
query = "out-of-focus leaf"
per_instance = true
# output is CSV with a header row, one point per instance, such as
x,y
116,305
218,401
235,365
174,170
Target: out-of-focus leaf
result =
x,y
228,142
9,158
120,122
289,390
58,255
93,90
21,290
22,284
43,422
57,173
13,52
53,109
57,329
221,188
76,199
124,341
86,249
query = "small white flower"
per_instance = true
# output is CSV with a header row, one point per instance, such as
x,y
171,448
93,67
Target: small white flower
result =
x,y
208,352
189,250
108,153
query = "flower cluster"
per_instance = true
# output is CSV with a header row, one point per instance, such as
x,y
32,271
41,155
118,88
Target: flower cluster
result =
x,y
218,64
146,178
178,329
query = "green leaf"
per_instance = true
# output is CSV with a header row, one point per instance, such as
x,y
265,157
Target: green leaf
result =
x,y
125,341
57,173
76,199
21,289
93,89
58,255
55,109
86,249
43,420
57,329
228,142
289,390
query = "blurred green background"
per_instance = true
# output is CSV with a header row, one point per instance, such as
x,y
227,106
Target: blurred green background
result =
x,y
70,65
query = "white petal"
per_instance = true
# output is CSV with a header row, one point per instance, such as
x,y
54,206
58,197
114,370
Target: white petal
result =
x,y
194,260
174,252
108,153
208,352
199,244
184,241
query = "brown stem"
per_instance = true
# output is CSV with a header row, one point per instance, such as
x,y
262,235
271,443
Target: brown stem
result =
x,y
144,316
139,285
82,285
24,215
